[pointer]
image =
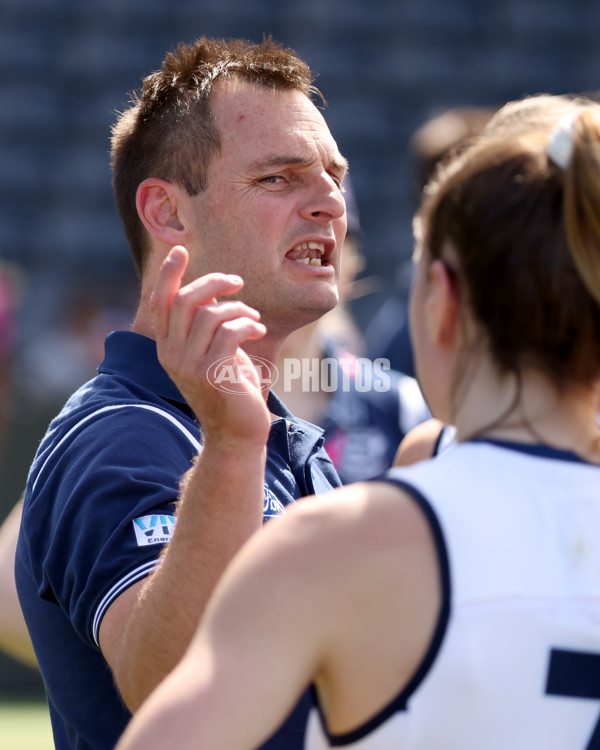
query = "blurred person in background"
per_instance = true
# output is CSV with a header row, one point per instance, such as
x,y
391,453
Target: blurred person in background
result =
x,y
62,356
438,139
9,300
14,638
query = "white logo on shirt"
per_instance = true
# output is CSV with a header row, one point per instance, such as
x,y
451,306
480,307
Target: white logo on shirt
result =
x,y
273,506
154,529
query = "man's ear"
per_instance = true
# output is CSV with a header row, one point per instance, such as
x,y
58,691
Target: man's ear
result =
x,y
157,203
442,306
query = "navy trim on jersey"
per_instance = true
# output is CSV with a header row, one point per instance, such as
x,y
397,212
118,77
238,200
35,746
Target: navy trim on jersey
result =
x,y
438,441
533,449
400,702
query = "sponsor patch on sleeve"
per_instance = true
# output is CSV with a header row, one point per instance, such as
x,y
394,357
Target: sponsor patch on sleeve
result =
x,y
154,529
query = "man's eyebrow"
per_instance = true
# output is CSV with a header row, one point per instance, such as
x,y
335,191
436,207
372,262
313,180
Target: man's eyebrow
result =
x,y
278,161
341,164
338,162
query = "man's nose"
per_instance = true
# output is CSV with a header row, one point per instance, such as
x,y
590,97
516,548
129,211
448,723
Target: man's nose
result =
x,y
326,201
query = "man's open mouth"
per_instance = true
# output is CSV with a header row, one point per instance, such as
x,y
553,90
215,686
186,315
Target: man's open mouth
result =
x,y
308,253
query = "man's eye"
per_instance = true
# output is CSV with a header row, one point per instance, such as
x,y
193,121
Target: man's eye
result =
x,y
273,179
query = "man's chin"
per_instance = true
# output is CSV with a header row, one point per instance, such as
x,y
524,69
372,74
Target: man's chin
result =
x,y
300,318
320,307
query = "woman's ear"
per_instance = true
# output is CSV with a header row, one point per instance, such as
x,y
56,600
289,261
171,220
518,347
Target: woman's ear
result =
x,y
442,306
157,203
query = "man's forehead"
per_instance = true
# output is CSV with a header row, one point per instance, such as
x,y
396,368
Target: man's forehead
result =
x,y
241,107
263,128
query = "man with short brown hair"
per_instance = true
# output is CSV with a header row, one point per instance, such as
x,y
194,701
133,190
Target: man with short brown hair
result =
x,y
229,185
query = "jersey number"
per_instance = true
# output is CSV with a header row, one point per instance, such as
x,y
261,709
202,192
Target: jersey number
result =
x,y
576,674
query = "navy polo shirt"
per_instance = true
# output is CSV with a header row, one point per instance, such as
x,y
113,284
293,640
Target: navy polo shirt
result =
x,y
99,506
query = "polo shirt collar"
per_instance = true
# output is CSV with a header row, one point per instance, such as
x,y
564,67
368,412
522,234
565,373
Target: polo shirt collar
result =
x,y
134,356
303,437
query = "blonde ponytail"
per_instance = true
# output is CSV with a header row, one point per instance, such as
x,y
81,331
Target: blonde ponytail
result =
x,y
581,204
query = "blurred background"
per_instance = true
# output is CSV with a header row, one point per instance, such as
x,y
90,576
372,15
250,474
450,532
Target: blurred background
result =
x,y
66,66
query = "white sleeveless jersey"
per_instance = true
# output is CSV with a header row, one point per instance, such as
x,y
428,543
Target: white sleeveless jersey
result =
x,y
515,661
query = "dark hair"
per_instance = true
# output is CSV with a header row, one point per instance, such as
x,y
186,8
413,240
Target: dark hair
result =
x,y
169,131
527,237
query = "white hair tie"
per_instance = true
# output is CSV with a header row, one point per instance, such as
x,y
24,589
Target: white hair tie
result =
x,y
560,143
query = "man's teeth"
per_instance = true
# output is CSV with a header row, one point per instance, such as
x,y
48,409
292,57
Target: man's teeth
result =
x,y
314,252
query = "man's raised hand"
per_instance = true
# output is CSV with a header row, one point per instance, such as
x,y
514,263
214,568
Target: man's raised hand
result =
x,y
193,331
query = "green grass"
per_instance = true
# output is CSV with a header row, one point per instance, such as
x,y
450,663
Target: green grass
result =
x,y
25,726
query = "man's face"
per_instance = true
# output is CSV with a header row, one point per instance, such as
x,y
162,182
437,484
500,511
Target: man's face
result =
x,y
273,202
